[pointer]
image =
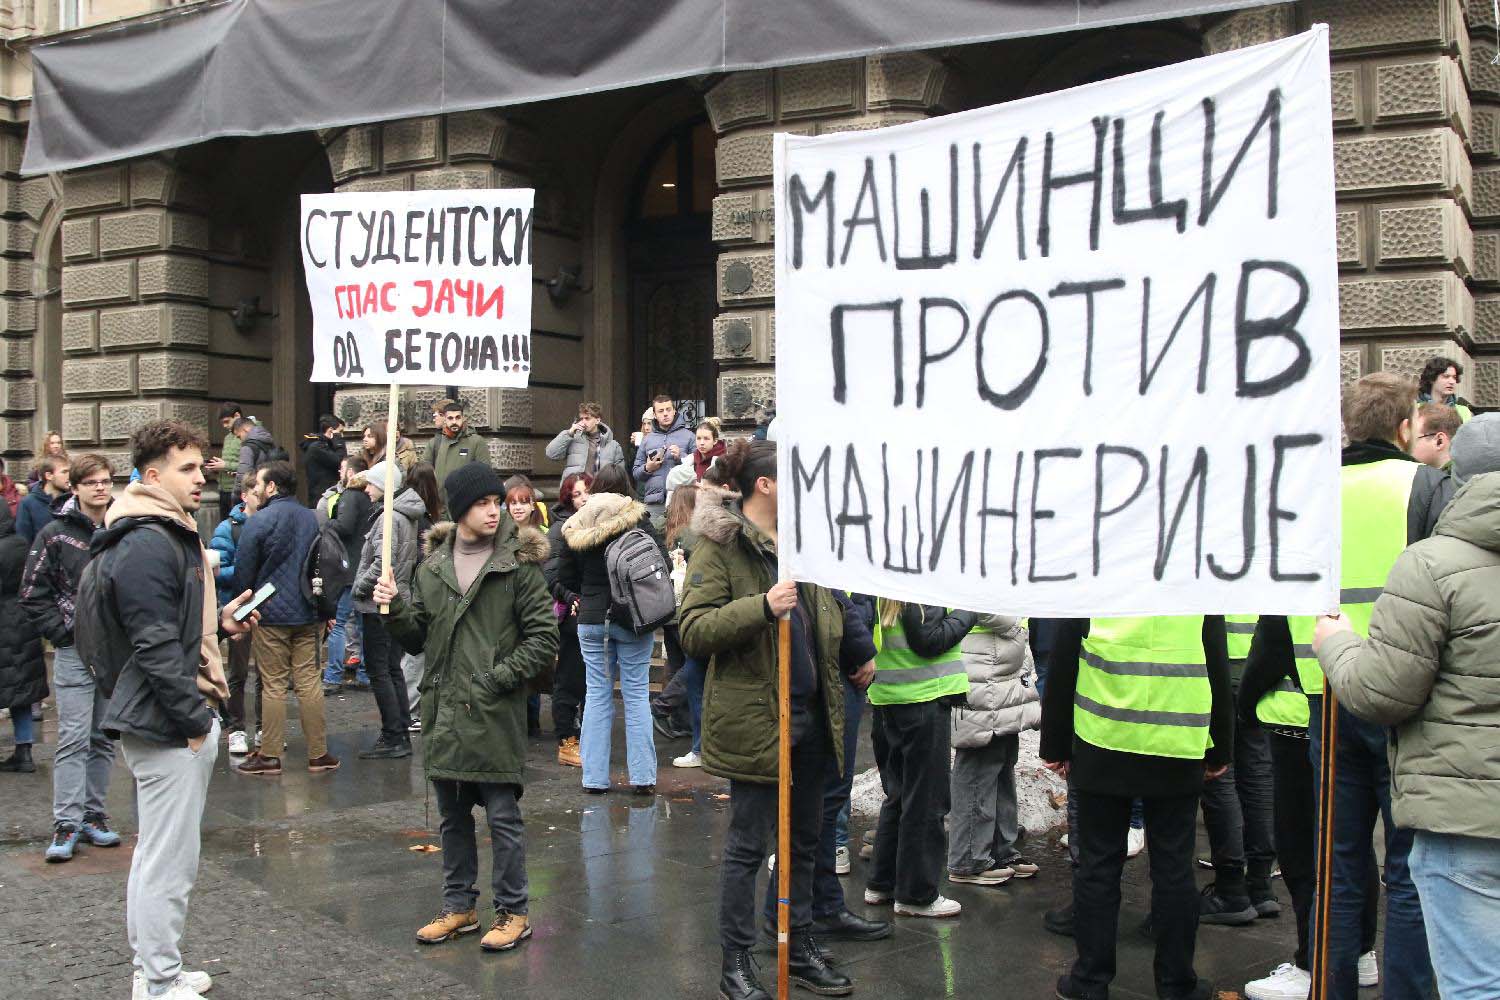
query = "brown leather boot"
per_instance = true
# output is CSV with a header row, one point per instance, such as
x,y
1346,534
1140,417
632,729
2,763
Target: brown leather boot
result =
x,y
510,929
567,752
448,925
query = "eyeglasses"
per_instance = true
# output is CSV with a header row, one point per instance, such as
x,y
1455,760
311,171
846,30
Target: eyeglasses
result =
x,y
96,483
1432,435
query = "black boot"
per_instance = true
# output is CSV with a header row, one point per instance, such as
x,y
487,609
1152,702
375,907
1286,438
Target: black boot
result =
x,y
1060,920
20,761
810,969
1226,904
737,980
1263,896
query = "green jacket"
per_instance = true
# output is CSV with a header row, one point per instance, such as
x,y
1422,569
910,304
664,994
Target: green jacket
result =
x,y
231,456
445,455
1429,669
723,620
482,647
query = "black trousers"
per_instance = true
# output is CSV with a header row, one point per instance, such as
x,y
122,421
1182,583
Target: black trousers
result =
x,y
911,849
1296,821
383,664
1171,831
569,683
502,811
751,834
239,678
1238,811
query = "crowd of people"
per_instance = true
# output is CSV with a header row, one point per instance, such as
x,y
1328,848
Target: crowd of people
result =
x,y
494,595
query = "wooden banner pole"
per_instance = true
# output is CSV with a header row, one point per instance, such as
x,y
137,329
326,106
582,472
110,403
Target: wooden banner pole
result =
x,y
784,810
1327,769
392,432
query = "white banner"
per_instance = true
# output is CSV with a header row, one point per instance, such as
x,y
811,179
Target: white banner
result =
x,y
1076,355
420,287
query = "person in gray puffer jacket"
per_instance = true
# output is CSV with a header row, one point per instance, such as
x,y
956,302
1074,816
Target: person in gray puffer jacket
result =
x,y
1002,703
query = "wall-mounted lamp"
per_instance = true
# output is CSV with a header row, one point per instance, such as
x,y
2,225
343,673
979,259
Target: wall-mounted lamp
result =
x,y
247,312
561,288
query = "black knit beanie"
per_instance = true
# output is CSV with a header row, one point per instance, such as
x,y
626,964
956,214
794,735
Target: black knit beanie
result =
x,y
468,484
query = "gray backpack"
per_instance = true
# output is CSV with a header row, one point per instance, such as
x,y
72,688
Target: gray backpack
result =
x,y
640,581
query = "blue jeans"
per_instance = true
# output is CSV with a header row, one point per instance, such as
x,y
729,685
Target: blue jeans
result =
x,y
20,720
1362,790
345,626
1459,881
693,671
610,651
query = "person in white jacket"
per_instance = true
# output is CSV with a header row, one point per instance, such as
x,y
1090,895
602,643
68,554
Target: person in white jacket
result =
x,y
1002,703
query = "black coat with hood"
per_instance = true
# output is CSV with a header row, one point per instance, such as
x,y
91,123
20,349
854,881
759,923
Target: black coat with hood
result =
x,y
23,673
54,566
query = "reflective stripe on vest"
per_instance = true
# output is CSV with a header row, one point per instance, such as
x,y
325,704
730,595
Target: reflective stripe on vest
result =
x,y
904,678
1143,687
1239,629
1374,500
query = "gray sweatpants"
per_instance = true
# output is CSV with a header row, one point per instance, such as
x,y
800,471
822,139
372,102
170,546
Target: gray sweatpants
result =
x,y
171,787
85,756
982,825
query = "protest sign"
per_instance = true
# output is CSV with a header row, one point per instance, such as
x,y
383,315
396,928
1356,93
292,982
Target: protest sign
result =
x,y
420,287
1075,355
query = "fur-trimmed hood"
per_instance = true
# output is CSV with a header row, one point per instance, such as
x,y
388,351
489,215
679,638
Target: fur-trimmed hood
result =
x,y
605,517
717,515
531,544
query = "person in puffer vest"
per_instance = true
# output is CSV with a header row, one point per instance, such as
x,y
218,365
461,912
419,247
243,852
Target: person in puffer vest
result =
x,y
1002,703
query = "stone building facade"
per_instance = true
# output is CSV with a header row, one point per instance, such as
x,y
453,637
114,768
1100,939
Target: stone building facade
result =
x,y
160,286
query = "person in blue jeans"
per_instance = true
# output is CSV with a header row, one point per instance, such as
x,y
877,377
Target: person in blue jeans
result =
x,y
349,510
611,648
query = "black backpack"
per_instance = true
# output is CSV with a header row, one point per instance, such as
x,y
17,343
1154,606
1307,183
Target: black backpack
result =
x,y
327,571
272,453
96,637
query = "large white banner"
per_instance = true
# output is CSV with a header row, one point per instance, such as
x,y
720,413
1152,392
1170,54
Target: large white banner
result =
x,y
1070,356
423,287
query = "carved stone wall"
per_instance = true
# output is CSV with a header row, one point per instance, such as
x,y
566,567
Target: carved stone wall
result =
x,y
1413,192
476,149
746,108
23,206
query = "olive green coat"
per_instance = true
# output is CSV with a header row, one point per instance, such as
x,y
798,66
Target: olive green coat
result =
x,y
482,647
723,621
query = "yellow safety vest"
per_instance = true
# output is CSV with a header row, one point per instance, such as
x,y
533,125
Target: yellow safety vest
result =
x,y
1240,629
904,678
1143,687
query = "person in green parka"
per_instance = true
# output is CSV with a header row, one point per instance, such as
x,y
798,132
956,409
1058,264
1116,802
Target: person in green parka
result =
x,y
480,610
455,445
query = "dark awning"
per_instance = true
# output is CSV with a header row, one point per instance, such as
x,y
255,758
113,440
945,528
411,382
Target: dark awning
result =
x,y
257,67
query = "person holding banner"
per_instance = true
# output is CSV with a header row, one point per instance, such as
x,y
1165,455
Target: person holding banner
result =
x,y
1137,707
730,603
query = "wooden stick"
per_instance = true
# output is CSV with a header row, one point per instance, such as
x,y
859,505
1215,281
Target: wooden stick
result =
x,y
1327,768
784,810
392,431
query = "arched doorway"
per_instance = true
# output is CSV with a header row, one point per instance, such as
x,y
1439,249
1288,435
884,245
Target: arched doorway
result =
x,y
670,258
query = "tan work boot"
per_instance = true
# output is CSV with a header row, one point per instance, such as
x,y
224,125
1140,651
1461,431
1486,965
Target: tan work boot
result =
x,y
567,752
510,930
448,925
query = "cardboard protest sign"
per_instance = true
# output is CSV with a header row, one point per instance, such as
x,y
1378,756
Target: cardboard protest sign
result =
x,y
424,287
1070,356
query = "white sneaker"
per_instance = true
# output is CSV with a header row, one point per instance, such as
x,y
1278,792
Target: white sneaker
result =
x,y
995,876
1135,842
1062,841
688,759
257,739
1286,983
874,897
841,861
771,863
238,744
940,907
1369,970
197,983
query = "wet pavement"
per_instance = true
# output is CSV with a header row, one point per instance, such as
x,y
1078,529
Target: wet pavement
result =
x,y
310,888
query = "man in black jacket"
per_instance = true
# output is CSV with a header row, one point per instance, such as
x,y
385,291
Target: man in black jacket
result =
x,y
322,454
85,756
349,510
158,601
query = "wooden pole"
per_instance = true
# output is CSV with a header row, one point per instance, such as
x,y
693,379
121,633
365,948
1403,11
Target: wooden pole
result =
x,y
784,810
1327,767
392,431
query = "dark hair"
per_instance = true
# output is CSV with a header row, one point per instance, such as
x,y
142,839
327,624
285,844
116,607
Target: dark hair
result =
x,y
87,464
590,409
246,483
612,479
449,405
1432,369
423,480
283,474
229,410
328,422
444,405
152,442
662,398
680,512
241,422
376,429
742,464
357,463
569,484
51,463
